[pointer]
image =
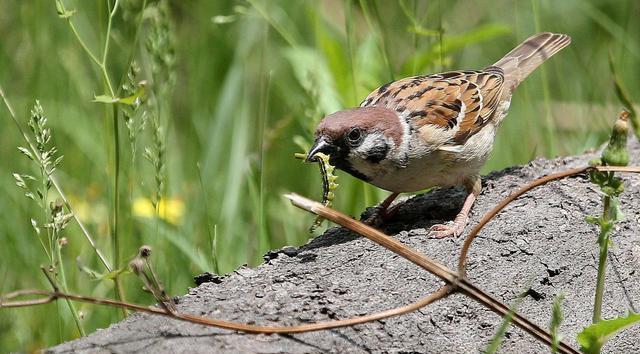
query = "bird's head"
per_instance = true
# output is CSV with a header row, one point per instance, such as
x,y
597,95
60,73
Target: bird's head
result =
x,y
358,140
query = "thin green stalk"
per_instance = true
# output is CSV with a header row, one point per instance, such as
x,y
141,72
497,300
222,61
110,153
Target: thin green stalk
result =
x,y
56,185
116,202
93,57
288,37
440,35
46,177
112,13
107,82
134,44
550,133
82,44
45,214
348,24
63,281
116,140
602,263
556,321
265,85
615,154
378,34
210,227
415,38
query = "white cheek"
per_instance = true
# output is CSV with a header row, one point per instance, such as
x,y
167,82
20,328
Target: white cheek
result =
x,y
357,156
369,143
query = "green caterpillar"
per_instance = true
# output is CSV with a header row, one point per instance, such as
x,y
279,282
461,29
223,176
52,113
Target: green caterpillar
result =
x,y
329,184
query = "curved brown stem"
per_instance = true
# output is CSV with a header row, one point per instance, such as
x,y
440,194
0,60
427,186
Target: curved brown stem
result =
x,y
452,278
536,183
50,296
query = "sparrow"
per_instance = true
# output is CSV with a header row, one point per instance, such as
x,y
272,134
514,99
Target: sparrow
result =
x,y
431,130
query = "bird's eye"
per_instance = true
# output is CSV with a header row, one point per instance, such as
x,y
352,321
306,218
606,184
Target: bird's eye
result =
x,y
354,137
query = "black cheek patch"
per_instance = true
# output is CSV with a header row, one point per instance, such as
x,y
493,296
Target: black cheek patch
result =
x,y
339,159
345,166
377,153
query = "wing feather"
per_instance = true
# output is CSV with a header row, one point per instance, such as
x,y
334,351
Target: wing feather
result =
x,y
455,104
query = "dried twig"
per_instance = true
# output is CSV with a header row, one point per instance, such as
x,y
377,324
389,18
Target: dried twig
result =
x,y
455,281
50,296
460,283
538,182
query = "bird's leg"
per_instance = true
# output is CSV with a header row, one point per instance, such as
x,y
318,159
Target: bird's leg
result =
x,y
473,186
382,212
386,203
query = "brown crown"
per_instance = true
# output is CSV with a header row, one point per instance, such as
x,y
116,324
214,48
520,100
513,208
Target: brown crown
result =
x,y
369,119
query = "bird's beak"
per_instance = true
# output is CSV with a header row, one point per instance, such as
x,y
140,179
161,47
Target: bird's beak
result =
x,y
320,145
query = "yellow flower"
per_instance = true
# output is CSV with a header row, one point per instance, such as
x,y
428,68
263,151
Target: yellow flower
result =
x,y
170,210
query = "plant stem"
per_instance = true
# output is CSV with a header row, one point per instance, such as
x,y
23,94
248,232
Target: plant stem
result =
x,y
116,206
287,36
210,227
550,132
348,25
602,262
377,33
82,44
56,185
107,82
112,13
133,45
116,140
63,281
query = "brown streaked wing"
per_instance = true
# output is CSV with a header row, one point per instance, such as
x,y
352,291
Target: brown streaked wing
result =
x,y
437,100
488,87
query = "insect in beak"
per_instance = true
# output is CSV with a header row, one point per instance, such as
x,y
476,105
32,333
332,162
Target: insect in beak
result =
x,y
320,145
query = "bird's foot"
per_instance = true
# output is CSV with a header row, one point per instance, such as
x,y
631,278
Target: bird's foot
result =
x,y
379,216
453,229
382,212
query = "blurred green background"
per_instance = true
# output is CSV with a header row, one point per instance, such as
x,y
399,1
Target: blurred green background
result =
x,y
251,79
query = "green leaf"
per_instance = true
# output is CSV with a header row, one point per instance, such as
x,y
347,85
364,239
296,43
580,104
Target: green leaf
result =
x,y
614,186
113,274
312,72
452,43
592,338
595,220
423,31
105,99
301,142
134,99
93,274
605,228
219,20
556,320
496,341
623,96
62,12
615,213
599,178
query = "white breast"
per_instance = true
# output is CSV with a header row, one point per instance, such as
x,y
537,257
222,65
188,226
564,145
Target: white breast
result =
x,y
440,167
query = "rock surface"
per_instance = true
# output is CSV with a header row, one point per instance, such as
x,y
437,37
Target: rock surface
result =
x,y
540,241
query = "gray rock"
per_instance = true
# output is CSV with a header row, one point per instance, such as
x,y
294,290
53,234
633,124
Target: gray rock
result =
x,y
541,240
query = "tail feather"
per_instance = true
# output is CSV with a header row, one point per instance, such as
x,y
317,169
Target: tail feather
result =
x,y
525,58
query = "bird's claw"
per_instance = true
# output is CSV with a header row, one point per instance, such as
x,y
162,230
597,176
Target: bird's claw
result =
x,y
377,217
454,229
443,230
